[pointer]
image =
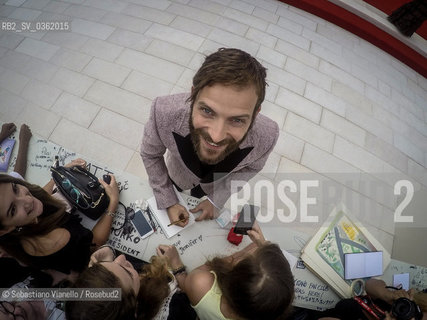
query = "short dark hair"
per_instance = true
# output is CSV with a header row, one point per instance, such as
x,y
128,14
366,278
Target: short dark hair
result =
x,y
230,67
260,286
98,276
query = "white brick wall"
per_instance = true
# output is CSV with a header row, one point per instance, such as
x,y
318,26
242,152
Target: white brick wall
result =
x,y
146,85
181,38
121,101
325,99
39,93
149,14
91,29
37,49
299,105
288,36
106,71
150,65
75,109
70,59
72,82
289,146
310,132
343,128
271,56
309,74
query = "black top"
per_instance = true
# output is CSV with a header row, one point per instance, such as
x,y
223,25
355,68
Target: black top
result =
x,y
180,308
75,255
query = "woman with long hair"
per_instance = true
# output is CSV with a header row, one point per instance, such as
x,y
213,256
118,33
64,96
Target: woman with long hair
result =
x,y
37,230
255,283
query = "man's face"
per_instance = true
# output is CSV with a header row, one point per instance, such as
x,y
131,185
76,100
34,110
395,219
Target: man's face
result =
x,y
220,119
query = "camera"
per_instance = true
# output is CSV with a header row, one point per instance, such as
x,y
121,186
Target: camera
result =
x,y
405,309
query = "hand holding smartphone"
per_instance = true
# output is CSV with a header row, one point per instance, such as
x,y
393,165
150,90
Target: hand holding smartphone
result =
x,y
246,219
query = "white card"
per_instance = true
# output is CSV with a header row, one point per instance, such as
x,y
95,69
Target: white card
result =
x,y
224,218
401,279
291,259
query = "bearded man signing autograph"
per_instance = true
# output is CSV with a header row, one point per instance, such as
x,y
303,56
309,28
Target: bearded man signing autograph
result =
x,y
211,136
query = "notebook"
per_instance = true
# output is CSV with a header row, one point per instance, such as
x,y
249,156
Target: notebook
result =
x,y
163,218
6,148
340,234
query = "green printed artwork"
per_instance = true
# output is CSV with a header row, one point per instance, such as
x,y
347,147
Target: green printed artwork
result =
x,y
342,237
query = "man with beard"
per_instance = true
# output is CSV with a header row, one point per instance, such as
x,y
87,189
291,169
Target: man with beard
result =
x,y
213,135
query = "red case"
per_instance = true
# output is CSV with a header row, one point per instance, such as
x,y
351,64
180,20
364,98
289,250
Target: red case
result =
x,y
234,238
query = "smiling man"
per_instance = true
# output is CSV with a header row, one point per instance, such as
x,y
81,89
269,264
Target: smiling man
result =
x,y
211,136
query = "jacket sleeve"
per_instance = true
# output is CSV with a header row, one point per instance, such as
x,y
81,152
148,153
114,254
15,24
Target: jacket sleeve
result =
x,y
220,191
152,151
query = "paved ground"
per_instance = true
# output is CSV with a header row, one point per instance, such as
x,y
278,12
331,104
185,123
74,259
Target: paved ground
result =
x,y
342,104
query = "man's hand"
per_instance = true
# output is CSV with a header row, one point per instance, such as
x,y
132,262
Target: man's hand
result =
x,y
207,208
178,212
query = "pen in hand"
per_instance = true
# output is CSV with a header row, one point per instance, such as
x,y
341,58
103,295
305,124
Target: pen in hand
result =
x,y
182,219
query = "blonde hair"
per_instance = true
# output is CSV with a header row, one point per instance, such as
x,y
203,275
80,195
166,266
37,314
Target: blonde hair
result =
x,y
155,279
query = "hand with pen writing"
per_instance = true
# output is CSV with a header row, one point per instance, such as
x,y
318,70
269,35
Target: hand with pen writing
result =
x,y
178,215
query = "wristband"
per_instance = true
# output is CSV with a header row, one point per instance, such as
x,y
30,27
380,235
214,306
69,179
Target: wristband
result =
x,y
178,270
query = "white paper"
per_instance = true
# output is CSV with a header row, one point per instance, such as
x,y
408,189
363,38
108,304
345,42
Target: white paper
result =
x,y
163,218
291,259
401,279
363,264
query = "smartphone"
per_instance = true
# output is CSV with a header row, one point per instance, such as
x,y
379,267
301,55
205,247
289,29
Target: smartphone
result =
x,y
142,225
246,219
363,264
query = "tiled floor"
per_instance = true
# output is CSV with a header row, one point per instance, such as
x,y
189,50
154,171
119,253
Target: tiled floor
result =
x,y
343,105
